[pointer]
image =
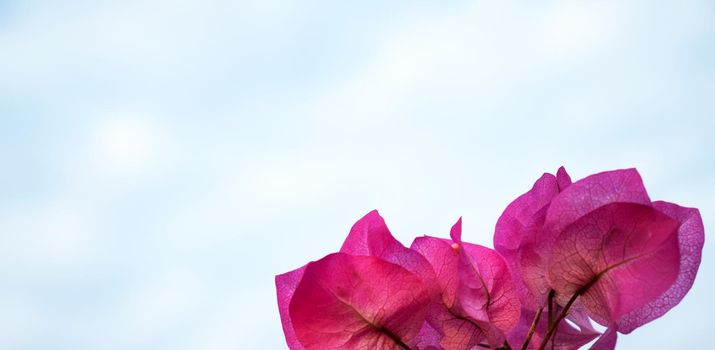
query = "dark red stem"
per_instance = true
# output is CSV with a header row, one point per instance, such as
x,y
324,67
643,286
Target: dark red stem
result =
x,y
532,329
560,318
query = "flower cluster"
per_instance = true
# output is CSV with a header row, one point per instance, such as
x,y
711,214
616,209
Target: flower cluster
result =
x,y
566,255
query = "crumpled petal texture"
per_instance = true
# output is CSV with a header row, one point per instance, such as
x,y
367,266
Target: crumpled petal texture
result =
x,y
508,234
630,259
476,283
592,192
458,330
358,302
486,288
565,254
371,237
691,238
622,254
516,230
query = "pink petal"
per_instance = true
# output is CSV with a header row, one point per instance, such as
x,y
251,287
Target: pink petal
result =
x,y
371,237
486,287
358,302
607,341
459,331
460,334
476,284
518,227
444,261
691,238
285,286
585,195
456,232
619,257
517,335
509,232
570,337
578,316
456,332
528,265
563,179
575,201
428,338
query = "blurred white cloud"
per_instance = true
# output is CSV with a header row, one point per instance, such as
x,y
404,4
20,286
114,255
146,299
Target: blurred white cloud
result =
x,y
582,27
157,306
46,238
128,143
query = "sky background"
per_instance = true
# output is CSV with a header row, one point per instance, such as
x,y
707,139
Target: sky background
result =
x,y
161,161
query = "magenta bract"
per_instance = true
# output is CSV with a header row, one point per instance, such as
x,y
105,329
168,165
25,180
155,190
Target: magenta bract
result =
x,y
603,238
617,257
566,254
358,308
371,237
476,287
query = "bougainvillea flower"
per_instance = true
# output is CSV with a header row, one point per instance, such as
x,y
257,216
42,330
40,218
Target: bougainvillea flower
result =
x,y
617,258
358,302
476,285
691,238
371,237
566,254
518,226
629,260
372,271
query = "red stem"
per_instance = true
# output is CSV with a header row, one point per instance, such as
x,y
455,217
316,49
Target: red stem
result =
x,y
562,315
532,329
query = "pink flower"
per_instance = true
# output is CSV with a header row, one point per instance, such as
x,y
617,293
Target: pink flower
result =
x,y
478,295
373,294
600,245
594,250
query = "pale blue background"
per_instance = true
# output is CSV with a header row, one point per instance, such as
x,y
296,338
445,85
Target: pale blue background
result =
x,y
161,161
